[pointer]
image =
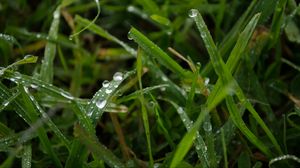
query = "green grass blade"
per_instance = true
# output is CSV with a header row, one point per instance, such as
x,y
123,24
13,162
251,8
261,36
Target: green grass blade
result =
x,y
277,21
101,98
75,159
150,6
224,148
103,33
46,73
93,21
46,118
28,59
99,151
234,113
153,50
187,140
27,156
139,69
225,75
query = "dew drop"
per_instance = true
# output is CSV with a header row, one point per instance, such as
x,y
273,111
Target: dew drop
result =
x,y
129,36
180,110
105,83
101,103
56,15
206,81
130,8
108,91
118,76
193,13
164,78
207,126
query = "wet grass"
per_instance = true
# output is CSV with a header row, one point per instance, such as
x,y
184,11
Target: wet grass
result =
x,y
149,83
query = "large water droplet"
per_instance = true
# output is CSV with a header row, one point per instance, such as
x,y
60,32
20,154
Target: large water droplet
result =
x,y
129,36
206,81
118,76
101,103
108,91
207,126
193,13
105,83
180,110
130,8
164,78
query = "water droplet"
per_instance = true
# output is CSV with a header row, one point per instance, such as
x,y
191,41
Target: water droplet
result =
x,y
164,78
108,91
207,126
101,103
163,89
151,103
197,147
193,13
180,110
130,8
56,15
118,76
206,81
66,95
70,38
105,83
33,86
129,36
5,103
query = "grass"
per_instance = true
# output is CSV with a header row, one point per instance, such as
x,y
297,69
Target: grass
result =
x,y
148,83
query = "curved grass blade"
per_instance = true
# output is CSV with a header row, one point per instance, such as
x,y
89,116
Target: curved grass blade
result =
x,y
28,59
46,73
153,50
93,21
225,75
103,33
284,157
99,101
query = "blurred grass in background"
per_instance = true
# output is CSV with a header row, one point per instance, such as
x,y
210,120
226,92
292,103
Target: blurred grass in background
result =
x,y
149,83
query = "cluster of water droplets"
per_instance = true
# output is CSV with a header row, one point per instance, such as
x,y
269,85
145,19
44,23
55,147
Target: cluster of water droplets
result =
x,y
108,89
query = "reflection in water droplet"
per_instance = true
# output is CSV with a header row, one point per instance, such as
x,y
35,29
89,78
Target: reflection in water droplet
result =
x,y
207,126
180,110
118,76
129,36
193,13
101,103
108,91
105,83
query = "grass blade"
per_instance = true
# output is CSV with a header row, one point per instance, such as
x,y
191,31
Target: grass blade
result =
x,y
153,50
46,73
27,156
139,68
99,101
103,33
225,75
